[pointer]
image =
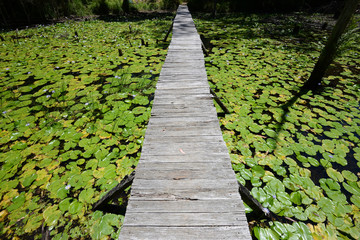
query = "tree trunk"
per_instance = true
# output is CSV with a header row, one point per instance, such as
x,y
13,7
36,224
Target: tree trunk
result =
x,y
126,6
328,53
214,8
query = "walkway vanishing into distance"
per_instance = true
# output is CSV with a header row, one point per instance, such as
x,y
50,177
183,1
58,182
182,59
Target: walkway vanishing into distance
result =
x,y
184,187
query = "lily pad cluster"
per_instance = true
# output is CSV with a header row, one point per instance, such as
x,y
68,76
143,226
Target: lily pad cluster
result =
x,y
75,101
299,155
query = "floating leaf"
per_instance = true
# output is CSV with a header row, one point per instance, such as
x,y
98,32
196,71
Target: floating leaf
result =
x,y
326,205
349,176
17,202
51,215
356,200
75,207
86,195
64,204
335,175
295,197
29,179
258,171
314,214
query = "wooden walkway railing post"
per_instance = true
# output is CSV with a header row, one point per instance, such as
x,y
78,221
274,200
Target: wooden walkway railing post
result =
x,y
184,186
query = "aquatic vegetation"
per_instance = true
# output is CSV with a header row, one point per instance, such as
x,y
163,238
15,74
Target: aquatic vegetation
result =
x,y
75,101
300,160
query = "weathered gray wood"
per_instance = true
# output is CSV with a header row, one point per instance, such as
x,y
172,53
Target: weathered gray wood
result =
x,y
216,171
185,219
186,99
219,157
184,186
185,233
184,138
206,167
182,90
187,206
162,194
183,173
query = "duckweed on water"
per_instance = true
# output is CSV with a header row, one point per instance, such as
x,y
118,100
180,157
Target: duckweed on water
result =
x,y
75,102
301,162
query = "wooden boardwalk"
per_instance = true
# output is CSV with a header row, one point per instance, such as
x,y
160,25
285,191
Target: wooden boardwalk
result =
x,y
184,187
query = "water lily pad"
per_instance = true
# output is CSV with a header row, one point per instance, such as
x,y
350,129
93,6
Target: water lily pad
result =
x,y
335,175
75,207
86,195
326,205
29,179
258,171
295,197
17,202
315,214
33,223
355,199
51,215
349,176
352,188
64,204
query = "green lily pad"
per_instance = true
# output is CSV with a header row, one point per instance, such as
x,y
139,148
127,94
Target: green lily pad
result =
x,y
258,171
75,207
349,176
29,179
295,197
86,195
355,199
64,204
335,175
326,205
315,214
51,215
19,146
17,202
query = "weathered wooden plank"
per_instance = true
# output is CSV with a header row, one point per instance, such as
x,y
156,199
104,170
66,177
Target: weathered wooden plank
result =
x,y
185,219
184,123
187,206
203,138
184,55
184,99
178,149
182,131
181,64
183,194
219,157
190,184
183,105
178,84
176,76
194,166
182,91
189,173
181,74
184,111
194,47
210,145
185,233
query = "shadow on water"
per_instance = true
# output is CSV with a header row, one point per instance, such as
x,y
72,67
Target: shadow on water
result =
x,y
286,109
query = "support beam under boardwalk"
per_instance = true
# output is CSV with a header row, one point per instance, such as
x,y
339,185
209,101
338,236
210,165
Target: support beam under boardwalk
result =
x,y
184,186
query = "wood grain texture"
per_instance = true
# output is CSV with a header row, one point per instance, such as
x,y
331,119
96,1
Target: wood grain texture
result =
x,y
185,233
184,187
